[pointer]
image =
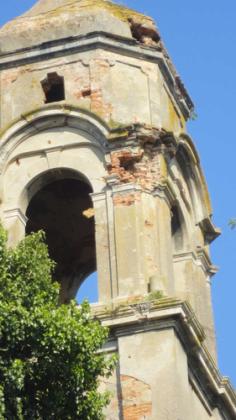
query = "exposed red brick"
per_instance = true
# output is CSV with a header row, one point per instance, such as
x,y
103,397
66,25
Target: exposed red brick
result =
x,y
140,167
142,411
126,199
135,398
98,70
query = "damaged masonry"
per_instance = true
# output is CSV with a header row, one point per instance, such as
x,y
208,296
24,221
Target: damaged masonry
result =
x,y
98,156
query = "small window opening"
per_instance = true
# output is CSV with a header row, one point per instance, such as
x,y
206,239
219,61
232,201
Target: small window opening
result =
x,y
53,87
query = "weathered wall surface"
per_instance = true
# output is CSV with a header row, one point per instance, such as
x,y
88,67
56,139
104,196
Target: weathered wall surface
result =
x,y
121,90
118,127
133,211
154,381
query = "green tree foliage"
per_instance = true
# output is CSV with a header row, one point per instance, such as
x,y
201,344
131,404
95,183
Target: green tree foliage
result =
x,y
49,364
232,223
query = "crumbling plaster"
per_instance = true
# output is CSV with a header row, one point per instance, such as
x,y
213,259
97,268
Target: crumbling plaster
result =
x,y
176,370
120,129
120,90
143,190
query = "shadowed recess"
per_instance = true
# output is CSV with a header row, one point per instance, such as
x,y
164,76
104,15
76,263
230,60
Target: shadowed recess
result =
x,y
58,209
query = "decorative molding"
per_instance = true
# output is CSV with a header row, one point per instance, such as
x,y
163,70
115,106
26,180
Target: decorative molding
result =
x,y
204,260
112,180
98,196
60,115
174,314
166,192
15,214
125,188
200,393
142,308
209,231
53,157
106,41
200,258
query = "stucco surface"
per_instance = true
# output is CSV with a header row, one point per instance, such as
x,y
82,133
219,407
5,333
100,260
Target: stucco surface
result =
x,y
107,113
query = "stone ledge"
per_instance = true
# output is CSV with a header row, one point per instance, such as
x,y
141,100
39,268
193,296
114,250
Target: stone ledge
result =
x,y
103,40
126,317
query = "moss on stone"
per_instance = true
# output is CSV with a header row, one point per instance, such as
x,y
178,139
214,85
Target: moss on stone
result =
x,y
67,108
119,11
155,295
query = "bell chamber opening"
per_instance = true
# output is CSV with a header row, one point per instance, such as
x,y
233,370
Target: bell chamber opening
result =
x,y
88,289
61,206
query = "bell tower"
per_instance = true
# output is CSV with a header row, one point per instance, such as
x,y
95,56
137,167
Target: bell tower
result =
x,y
94,150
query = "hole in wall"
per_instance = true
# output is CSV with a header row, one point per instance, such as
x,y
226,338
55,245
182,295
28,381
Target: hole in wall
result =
x,y
86,92
53,87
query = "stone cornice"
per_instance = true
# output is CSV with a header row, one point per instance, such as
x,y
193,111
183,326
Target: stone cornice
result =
x,y
200,257
16,214
127,317
209,231
105,41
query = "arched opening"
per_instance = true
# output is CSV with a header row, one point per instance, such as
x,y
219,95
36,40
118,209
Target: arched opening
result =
x,y
61,205
189,175
176,230
88,289
186,170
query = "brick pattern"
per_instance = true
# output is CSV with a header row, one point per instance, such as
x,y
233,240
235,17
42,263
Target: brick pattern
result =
x,y
136,399
99,70
142,167
126,199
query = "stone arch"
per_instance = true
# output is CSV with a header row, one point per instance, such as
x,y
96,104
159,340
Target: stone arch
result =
x,y
188,160
60,204
74,158
51,175
54,146
48,134
190,195
49,117
178,229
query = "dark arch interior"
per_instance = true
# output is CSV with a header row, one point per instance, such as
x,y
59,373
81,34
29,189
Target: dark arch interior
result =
x,y
176,229
58,208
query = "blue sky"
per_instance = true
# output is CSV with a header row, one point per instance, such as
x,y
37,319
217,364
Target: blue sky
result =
x,y
201,37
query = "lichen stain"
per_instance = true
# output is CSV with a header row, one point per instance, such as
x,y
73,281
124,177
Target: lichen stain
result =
x,y
119,11
174,119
